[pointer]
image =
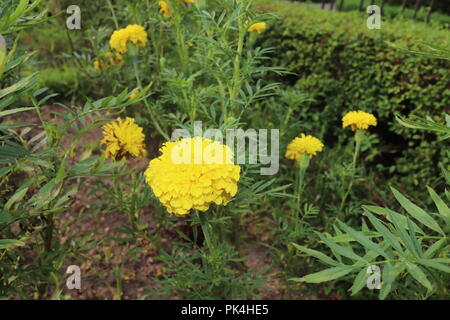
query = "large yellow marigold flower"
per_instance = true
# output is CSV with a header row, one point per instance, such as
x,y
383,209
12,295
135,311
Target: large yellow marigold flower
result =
x,y
258,27
359,120
193,173
133,33
164,9
303,145
123,139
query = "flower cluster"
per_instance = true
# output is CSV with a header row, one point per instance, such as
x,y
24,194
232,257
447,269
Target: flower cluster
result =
x,y
359,120
133,33
303,145
193,173
108,59
123,139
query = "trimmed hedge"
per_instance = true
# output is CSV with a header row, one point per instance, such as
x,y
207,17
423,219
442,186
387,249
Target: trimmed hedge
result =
x,y
346,66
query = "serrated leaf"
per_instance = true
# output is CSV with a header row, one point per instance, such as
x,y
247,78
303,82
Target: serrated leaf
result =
x,y
416,212
400,218
390,273
326,275
433,248
343,251
416,272
407,241
440,204
10,243
316,254
360,281
366,242
434,264
387,235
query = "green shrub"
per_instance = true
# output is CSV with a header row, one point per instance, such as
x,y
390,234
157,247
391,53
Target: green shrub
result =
x,y
346,67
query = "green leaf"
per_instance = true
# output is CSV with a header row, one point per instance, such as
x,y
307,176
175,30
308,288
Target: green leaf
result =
x,y
445,173
400,218
434,264
23,83
417,212
316,254
440,204
414,240
390,273
4,171
325,275
343,251
433,248
387,235
5,217
366,242
360,281
12,111
10,243
417,273
407,241
347,238
16,197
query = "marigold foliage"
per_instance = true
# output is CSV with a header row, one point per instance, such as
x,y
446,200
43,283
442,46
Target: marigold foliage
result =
x,y
123,139
193,173
164,9
133,33
258,27
303,145
359,120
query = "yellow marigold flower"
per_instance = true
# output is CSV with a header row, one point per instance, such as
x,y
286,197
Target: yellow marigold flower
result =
x,y
107,60
123,139
193,173
189,1
258,27
164,9
359,120
133,33
303,145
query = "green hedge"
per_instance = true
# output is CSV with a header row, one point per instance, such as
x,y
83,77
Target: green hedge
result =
x,y
346,66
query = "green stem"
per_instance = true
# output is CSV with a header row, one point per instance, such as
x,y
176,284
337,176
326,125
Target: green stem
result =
x,y
359,134
118,276
152,116
181,43
47,238
286,121
206,228
237,67
113,14
303,166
